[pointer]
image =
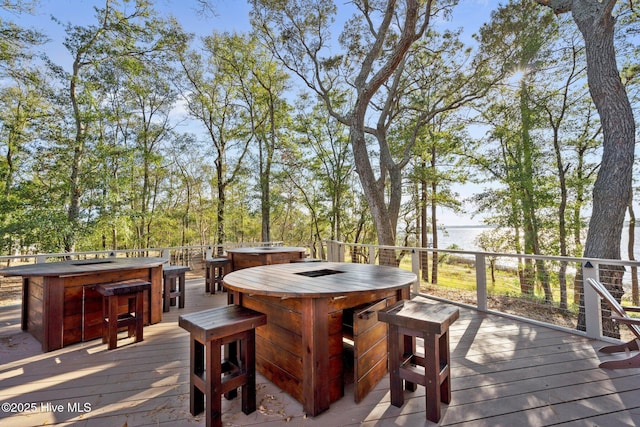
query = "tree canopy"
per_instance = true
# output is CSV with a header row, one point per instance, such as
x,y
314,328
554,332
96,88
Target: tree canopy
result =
x,y
153,136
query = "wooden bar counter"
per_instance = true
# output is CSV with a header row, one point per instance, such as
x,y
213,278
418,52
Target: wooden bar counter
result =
x,y
266,255
300,349
60,305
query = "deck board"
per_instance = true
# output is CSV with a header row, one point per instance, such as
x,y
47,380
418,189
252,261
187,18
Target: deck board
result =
x,y
504,373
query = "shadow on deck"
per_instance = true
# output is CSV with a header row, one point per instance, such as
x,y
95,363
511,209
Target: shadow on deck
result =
x,y
504,373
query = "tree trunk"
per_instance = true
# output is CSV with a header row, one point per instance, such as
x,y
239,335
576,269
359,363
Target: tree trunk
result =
x,y
73,212
612,188
385,229
424,235
434,229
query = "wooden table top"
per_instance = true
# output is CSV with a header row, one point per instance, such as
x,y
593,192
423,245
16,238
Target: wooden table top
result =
x,y
317,280
265,249
81,267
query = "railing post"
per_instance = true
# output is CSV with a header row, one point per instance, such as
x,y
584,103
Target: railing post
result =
x,y
41,259
372,255
592,311
415,268
335,251
166,254
481,281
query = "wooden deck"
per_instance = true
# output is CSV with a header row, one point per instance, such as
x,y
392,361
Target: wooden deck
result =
x,y
504,373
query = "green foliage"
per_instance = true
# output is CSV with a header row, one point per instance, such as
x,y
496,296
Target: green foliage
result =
x,y
169,140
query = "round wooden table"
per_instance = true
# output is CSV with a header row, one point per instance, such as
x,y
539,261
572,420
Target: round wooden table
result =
x,y
301,347
263,255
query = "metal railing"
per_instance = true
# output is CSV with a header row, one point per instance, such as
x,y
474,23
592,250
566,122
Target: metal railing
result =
x,y
534,288
180,253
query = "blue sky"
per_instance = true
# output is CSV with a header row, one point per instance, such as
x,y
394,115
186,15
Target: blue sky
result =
x,y
230,15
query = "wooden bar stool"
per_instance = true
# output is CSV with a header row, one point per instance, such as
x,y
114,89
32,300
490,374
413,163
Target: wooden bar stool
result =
x,y
128,293
407,321
173,286
216,268
211,377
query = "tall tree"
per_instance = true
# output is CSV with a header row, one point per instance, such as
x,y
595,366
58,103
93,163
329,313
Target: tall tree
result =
x,y
375,45
22,99
324,155
261,83
375,42
520,36
561,100
612,188
118,34
215,99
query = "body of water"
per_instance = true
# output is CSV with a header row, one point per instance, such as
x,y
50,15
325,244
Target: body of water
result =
x,y
465,236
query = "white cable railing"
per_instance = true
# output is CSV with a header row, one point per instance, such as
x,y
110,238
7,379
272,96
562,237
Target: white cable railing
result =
x,y
534,288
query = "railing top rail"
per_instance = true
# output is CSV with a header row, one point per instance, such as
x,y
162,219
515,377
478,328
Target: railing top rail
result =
x,y
409,249
108,252
501,254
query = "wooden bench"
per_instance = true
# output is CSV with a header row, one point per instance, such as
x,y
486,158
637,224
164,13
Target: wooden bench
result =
x,y
211,377
115,295
407,320
216,268
173,286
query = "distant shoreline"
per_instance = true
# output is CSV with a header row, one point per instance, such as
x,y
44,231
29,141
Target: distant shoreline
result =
x,y
466,226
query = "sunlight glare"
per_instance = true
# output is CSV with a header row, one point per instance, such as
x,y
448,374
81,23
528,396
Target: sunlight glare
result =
x,y
12,373
21,389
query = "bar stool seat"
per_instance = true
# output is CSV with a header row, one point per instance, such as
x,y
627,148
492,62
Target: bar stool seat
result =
x,y
173,286
129,293
408,320
211,377
216,268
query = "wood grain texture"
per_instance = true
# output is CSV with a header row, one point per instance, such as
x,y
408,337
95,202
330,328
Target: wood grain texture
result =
x,y
62,306
301,349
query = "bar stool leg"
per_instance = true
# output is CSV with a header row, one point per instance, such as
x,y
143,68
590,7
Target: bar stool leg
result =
x,y
445,387
432,373
221,272
182,289
197,369
112,329
105,316
213,383
212,280
172,288
139,316
207,278
166,297
247,355
395,358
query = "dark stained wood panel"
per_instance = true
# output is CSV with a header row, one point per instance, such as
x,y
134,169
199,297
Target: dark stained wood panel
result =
x,y
253,257
308,300
62,307
505,372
